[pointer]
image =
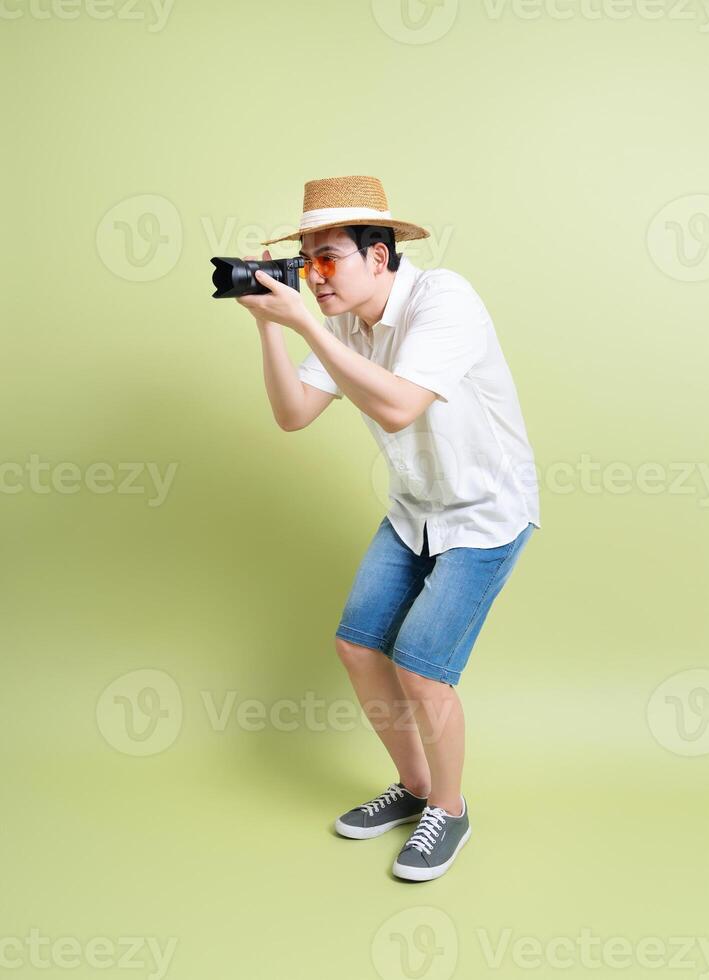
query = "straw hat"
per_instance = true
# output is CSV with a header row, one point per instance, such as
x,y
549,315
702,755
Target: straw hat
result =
x,y
336,201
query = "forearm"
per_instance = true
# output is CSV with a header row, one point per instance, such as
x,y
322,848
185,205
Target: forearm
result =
x,y
283,386
373,389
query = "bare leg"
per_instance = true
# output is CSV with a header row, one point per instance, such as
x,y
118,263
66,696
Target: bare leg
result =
x,y
376,683
439,716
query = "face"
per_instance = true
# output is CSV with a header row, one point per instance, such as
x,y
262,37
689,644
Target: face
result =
x,y
355,278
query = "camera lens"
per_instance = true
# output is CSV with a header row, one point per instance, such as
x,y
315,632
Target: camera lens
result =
x,y
235,277
243,279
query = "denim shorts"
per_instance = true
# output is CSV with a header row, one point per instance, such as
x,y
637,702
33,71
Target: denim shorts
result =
x,y
425,613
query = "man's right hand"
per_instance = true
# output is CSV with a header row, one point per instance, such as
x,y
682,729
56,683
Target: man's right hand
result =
x,y
252,258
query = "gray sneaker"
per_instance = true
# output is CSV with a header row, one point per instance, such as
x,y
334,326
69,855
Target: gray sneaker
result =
x,y
431,849
396,805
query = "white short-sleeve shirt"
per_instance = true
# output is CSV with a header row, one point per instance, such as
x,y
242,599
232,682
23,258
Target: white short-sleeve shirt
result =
x,y
464,467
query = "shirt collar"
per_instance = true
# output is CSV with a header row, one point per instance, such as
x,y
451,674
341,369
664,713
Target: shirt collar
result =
x,y
404,278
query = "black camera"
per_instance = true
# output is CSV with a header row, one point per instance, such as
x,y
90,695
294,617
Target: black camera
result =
x,y
235,277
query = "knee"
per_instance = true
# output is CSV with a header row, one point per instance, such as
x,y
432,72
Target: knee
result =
x,y
413,684
352,655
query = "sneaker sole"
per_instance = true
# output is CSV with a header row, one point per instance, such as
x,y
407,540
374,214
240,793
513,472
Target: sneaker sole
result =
x,y
426,874
363,833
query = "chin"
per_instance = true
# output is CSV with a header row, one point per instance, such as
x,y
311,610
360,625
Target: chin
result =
x,y
334,307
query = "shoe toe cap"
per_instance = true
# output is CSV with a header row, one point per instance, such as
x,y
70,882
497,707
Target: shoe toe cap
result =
x,y
412,857
354,818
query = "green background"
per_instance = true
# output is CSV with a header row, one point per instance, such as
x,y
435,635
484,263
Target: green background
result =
x,y
540,151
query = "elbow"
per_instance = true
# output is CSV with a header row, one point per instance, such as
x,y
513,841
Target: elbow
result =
x,y
394,422
289,426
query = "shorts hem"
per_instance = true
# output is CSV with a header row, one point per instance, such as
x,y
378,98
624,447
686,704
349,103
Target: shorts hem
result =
x,y
363,639
426,669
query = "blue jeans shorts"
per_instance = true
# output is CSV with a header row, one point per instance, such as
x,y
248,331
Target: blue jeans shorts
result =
x,y
425,613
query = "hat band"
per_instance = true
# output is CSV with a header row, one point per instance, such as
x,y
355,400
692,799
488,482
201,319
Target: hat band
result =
x,y
326,216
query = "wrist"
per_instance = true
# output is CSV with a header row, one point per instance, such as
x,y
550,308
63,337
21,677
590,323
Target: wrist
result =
x,y
306,324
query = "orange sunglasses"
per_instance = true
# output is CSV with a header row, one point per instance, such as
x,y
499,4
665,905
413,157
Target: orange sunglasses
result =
x,y
324,266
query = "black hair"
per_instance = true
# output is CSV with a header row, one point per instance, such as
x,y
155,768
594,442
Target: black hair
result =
x,y
365,235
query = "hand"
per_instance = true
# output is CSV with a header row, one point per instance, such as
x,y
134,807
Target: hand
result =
x,y
282,305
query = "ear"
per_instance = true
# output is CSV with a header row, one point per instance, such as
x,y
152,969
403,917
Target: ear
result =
x,y
381,256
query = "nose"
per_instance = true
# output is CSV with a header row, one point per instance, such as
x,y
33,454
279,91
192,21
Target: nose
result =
x,y
314,277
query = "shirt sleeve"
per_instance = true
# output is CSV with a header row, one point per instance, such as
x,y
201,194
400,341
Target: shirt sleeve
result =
x,y
447,336
312,371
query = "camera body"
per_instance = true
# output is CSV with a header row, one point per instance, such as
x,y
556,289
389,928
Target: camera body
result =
x,y
235,277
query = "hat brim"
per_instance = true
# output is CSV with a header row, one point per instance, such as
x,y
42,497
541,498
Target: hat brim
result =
x,y
404,231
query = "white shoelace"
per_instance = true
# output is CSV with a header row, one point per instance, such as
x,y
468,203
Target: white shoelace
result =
x,y
388,796
424,837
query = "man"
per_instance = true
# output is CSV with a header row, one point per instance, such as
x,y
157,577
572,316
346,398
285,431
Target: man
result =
x,y
416,351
